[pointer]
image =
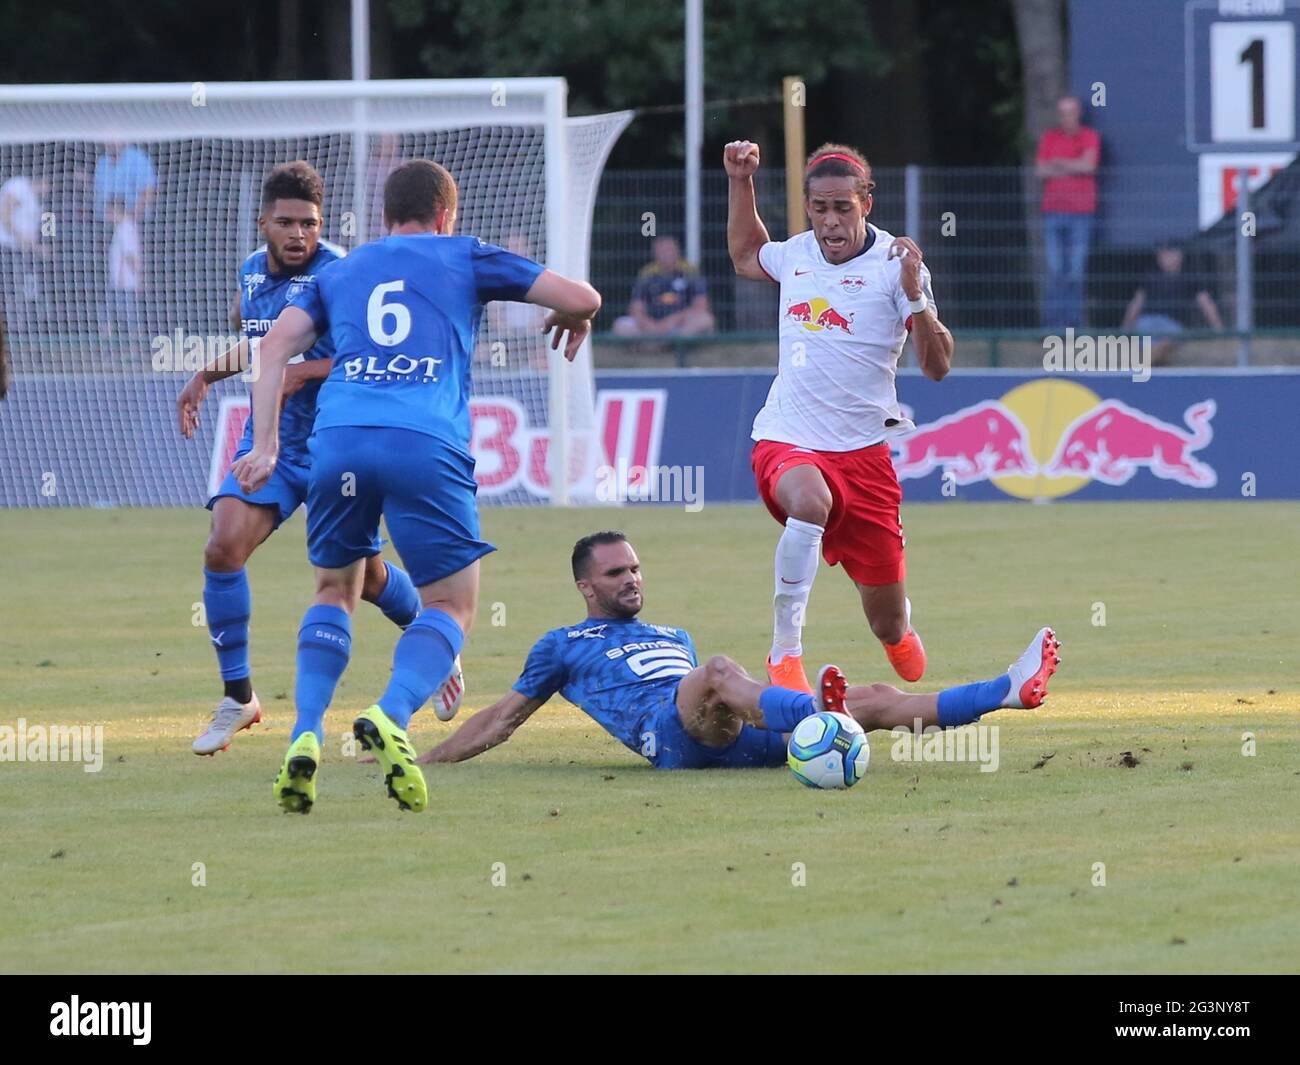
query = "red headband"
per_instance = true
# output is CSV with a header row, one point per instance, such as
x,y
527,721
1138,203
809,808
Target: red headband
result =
x,y
839,155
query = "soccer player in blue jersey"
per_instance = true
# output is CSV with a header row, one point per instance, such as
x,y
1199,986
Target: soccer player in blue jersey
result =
x,y
644,685
290,222
392,439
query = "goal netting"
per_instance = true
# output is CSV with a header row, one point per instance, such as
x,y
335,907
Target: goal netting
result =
x,y
126,210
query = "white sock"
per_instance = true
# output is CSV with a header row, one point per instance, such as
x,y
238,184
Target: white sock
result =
x,y
797,554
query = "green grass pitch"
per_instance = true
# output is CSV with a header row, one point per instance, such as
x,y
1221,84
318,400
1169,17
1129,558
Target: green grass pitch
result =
x,y
611,866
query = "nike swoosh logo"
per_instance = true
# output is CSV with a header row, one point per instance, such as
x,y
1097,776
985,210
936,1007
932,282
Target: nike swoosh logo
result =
x,y
784,581
800,273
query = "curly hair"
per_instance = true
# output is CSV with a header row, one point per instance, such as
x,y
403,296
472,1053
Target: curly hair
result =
x,y
293,181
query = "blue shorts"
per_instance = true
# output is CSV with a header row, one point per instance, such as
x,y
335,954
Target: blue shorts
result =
x,y
422,487
674,748
286,490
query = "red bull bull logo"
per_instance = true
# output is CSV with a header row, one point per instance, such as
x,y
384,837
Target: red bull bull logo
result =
x,y
1113,441
817,314
975,444
1046,439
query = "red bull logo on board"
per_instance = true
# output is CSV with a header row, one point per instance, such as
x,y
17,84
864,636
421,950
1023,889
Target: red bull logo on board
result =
x,y
1046,439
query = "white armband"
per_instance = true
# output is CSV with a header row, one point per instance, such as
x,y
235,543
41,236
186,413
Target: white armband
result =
x,y
918,306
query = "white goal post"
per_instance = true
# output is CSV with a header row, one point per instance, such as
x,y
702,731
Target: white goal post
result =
x,y
182,164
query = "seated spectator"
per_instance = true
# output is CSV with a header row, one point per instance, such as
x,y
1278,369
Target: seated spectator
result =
x,y
669,298
1161,306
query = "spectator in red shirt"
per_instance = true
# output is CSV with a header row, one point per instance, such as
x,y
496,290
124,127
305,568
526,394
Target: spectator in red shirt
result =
x,y
1067,163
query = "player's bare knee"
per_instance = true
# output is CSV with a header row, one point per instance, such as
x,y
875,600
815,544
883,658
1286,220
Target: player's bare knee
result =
x,y
224,553
719,668
812,507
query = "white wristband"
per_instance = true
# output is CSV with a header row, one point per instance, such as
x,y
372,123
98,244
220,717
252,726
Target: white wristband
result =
x,y
918,306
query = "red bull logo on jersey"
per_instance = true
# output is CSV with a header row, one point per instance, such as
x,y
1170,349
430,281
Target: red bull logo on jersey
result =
x,y
817,314
1046,439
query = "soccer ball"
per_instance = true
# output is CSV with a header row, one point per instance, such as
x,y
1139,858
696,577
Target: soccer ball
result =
x,y
828,751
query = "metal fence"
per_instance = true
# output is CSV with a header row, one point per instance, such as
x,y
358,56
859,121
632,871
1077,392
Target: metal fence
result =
x,y
982,234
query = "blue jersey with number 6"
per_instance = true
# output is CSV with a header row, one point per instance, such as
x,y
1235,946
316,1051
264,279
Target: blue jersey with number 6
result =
x,y
403,313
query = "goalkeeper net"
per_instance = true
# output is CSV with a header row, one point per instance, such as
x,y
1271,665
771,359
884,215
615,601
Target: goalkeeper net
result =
x,y
125,212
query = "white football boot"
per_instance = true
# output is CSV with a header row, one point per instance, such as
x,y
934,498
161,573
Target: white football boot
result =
x,y
229,717
447,699
831,690
1031,671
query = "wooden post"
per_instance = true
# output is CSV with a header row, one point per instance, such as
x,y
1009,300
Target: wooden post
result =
x,y
792,93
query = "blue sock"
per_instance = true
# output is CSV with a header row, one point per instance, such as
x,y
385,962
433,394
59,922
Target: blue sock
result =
x,y
228,605
399,600
783,708
324,642
965,703
422,659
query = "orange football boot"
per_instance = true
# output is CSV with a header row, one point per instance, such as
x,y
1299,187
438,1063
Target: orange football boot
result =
x,y
789,673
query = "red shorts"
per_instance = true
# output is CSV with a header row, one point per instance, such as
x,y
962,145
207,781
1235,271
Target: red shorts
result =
x,y
864,530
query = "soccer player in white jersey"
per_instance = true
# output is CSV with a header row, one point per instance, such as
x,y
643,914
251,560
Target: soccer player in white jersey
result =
x,y
850,295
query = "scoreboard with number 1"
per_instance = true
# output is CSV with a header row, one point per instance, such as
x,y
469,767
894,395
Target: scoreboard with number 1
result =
x,y
1207,87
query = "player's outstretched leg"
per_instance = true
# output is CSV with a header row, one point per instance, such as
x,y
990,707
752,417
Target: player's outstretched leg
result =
x,y
1030,672
1022,687
237,528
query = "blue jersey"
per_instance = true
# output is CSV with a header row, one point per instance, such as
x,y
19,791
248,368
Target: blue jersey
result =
x,y
403,314
262,296
618,671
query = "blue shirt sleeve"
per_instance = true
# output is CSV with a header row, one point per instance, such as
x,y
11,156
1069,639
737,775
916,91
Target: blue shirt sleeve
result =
x,y
305,295
686,638
544,673
501,274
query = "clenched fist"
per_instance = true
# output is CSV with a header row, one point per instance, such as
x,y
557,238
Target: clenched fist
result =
x,y
741,159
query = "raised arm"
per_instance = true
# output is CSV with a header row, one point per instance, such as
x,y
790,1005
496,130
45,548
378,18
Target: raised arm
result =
x,y
930,337
745,230
485,730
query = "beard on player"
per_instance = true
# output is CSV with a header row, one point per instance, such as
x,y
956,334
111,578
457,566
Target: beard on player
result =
x,y
624,601
292,232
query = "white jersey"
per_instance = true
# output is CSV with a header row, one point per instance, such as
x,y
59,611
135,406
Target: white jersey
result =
x,y
842,331
20,202
124,257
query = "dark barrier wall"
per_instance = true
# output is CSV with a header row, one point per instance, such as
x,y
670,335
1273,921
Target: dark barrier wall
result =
x,y
999,436
980,436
